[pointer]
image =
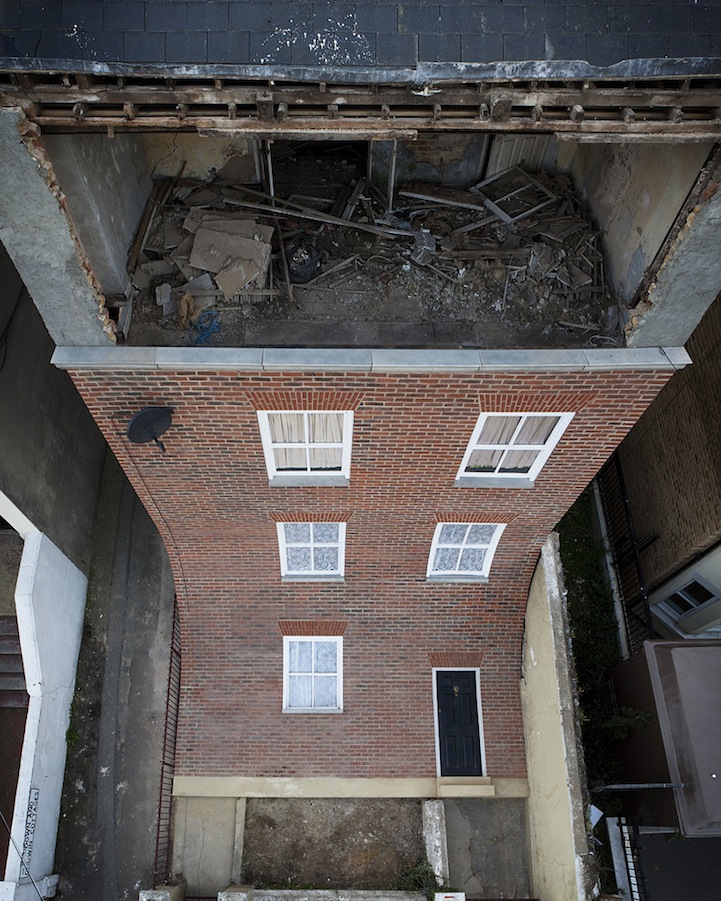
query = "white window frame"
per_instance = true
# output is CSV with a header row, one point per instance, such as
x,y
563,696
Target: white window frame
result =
x,y
702,617
338,640
311,575
464,575
436,724
311,477
509,479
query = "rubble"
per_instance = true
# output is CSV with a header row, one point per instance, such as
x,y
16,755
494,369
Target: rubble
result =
x,y
509,261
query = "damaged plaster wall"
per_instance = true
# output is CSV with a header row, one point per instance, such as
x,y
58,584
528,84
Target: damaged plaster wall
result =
x,y
198,156
36,233
634,193
107,184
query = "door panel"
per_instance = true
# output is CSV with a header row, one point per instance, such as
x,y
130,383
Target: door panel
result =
x,y
458,733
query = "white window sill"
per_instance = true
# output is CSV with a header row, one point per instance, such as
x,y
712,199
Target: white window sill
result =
x,y
312,710
450,577
312,577
309,479
490,481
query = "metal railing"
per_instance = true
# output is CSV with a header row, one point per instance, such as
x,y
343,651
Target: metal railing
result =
x,y
626,548
163,848
632,859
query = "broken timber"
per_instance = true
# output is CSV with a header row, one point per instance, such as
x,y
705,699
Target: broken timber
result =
x,y
645,109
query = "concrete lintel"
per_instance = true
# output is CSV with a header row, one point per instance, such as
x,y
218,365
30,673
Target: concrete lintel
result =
x,y
335,787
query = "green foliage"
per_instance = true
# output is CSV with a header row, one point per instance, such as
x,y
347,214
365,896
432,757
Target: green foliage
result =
x,y
419,877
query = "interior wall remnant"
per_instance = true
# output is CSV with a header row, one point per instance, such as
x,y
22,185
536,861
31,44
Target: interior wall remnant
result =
x,y
106,183
198,157
37,235
51,451
634,193
453,159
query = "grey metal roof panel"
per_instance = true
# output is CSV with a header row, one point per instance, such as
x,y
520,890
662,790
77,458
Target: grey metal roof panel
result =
x,y
497,39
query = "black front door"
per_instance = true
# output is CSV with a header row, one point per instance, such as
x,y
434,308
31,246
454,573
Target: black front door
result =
x,y
458,734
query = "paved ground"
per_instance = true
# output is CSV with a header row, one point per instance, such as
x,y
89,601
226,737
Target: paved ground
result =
x,y
680,869
106,840
333,33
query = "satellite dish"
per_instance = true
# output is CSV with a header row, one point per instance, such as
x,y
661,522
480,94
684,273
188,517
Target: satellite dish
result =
x,y
149,424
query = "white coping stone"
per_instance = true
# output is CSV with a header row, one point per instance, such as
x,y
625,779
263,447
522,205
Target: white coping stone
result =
x,y
334,895
423,360
163,893
204,358
303,359
237,893
253,359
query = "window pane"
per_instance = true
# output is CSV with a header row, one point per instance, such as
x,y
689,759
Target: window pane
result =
x,y
300,656
326,654
298,559
286,428
325,559
697,592
325,428
290,458
679,603
518,461
325,533
472,560
326,691
325,458
446,559
297,532
481,533
484,461
300,691
498,429
453,533
536,430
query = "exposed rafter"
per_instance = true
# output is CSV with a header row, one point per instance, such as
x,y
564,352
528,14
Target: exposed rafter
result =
x,y
655,109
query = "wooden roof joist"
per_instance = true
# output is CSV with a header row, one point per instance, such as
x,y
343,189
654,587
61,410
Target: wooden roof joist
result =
x,y
68,102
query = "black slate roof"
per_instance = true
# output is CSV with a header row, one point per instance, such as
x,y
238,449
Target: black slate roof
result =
x,y
634,38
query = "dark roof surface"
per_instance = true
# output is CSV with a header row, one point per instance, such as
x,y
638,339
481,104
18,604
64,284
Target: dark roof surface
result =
x,y
365,36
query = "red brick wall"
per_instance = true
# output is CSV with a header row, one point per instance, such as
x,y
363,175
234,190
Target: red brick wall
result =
x,y
210,498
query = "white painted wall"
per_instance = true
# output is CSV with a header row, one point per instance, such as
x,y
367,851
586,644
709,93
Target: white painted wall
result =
x,y
50,602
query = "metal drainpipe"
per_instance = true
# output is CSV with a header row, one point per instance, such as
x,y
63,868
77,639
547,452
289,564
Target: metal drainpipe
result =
x,y
612,578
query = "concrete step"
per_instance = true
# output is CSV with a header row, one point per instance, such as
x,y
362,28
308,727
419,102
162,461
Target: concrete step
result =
x,y
12,682
8,625
11,663
14,699
9,644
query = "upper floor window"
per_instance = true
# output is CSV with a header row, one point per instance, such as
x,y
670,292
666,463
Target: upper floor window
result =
x,y
508,450
311,550
463,551
312,674
306,447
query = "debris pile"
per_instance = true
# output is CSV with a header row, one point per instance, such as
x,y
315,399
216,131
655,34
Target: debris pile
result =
x,y
510,260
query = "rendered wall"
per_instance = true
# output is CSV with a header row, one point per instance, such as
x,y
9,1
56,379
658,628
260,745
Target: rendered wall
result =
x,y
672,460
210,498
107,183
634,192
51,452
556,813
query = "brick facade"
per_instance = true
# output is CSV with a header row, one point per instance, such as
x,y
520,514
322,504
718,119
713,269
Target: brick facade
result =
x,y
210,498
672,459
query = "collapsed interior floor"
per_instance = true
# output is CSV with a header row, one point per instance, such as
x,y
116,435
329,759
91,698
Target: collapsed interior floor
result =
x,y
513,262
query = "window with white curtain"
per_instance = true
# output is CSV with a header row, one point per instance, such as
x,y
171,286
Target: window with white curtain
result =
x,y
306,447
510,449
463,551
311,550
312,674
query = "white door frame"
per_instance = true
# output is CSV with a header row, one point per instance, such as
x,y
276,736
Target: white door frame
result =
x,y
436,724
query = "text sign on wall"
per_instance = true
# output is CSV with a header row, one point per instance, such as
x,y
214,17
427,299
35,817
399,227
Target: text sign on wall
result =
x,y
30,822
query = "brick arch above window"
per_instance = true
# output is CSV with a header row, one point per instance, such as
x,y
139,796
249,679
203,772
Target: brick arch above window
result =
x,y
535,401
456,659
310,517
300,627
305,400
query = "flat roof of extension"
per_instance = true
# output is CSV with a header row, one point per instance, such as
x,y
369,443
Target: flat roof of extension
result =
x,y
386,41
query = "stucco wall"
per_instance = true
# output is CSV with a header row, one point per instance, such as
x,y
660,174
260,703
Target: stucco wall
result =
x,y
51,452
556,814
634,192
